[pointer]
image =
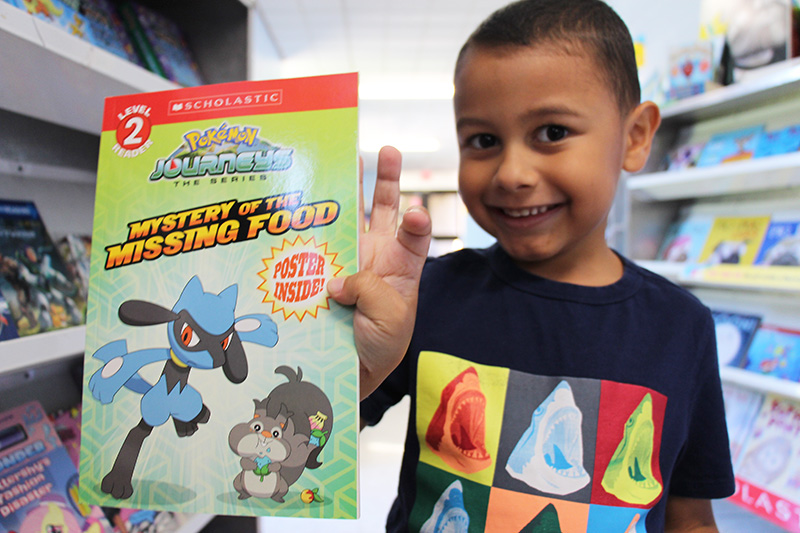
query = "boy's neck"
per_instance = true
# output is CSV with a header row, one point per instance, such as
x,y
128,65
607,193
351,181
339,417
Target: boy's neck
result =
x,y
601,268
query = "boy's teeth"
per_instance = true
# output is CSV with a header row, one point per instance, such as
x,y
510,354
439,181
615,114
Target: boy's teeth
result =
x,y
517,213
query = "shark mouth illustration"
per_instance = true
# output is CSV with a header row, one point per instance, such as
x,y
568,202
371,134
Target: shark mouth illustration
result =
x,y
629,475
544,522
449,514
549,455
458,428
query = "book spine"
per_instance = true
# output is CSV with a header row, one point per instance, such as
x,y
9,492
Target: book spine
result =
x,y
141,44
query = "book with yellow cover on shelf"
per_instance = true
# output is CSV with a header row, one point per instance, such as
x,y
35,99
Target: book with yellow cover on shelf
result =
x,y
734,240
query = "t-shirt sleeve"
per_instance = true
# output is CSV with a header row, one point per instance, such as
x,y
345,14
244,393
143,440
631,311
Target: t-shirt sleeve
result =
x,y
389,393
704,469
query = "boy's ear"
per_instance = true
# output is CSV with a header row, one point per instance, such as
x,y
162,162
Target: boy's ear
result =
x,y
642,124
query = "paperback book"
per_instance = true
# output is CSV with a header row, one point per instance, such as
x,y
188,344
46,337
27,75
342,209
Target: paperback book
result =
x,y
731,146
741,408
781,246
734,240
219,376
39,482
685,238
734,333
34,281
107,30
775,351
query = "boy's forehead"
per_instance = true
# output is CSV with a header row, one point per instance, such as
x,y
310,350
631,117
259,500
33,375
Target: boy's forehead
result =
x,y
473,63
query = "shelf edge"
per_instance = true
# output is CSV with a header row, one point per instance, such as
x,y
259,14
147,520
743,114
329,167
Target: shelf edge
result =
x,y
26,352
760,383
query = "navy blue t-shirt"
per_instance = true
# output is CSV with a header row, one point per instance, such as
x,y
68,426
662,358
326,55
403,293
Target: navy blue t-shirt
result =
x,y
537,404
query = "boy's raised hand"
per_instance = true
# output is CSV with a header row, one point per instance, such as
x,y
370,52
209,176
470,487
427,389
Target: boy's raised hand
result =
x,y
385,289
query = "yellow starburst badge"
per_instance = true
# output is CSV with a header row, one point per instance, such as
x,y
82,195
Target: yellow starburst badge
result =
x,y
295,276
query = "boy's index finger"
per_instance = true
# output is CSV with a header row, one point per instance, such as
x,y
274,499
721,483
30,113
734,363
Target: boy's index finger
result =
x,y
386,201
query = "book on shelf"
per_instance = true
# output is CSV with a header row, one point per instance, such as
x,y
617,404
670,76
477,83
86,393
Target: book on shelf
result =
x,y
776,142
107,30
730,146
63,14
39,480
67,424
775,351
220,378
160,44
734,332
741,408
734,240
771,458
685,238
75,250
684,156
781,246
8,329
33,278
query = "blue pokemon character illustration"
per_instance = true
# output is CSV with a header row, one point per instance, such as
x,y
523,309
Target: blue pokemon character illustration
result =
x,y
204,333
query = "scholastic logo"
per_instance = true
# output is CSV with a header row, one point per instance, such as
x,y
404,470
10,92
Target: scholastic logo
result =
x,y
225,101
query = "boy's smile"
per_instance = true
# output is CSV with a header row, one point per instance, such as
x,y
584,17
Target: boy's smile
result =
x,y
542,144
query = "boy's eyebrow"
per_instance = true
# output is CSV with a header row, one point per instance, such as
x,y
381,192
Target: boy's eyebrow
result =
x,y
532,114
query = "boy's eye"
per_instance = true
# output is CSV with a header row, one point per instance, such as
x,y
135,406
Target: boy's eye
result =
x,y
551,133
482,141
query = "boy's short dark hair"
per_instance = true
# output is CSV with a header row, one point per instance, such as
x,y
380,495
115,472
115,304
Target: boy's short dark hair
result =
x,y
590,25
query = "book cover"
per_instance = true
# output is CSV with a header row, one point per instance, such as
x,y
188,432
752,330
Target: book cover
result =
x,y
781,246
734,333
775,351
161,41
219,376
741,408
75,250
39,482
781,141
35,282
107,30
64,14
734,240
685,238
771,458
730,146
8,330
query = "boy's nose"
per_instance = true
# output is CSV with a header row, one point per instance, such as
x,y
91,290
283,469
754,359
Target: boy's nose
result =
x,y
517,169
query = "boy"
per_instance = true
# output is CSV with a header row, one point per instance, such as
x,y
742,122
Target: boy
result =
x,y
555,385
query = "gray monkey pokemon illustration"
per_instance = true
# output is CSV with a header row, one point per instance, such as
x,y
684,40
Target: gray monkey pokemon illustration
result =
x,y
285,436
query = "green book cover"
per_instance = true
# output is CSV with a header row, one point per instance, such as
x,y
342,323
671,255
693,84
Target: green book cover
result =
x,y
219,377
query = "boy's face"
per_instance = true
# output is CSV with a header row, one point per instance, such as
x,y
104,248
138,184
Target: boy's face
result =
x,y
542,144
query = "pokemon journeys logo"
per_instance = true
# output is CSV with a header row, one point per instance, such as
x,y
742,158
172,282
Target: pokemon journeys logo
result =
x,y
222,150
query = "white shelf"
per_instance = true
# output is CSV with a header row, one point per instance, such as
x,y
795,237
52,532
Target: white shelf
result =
x,y
681,273
766,173
772,82
195,523
26,352
59,78
760,383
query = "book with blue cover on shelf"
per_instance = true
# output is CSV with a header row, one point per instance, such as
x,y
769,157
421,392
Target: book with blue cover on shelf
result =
x,y
734,332
64,14
730,146
8,330
107,30
685,238
777,142
781,246
775,351
34,280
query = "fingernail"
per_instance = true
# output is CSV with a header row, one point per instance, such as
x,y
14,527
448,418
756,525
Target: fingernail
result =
x,y
335,285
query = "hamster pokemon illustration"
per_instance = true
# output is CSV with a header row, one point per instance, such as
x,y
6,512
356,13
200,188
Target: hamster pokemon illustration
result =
x,y
288,430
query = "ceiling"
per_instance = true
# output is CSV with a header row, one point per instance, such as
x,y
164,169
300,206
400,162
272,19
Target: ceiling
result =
x,y
404,48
